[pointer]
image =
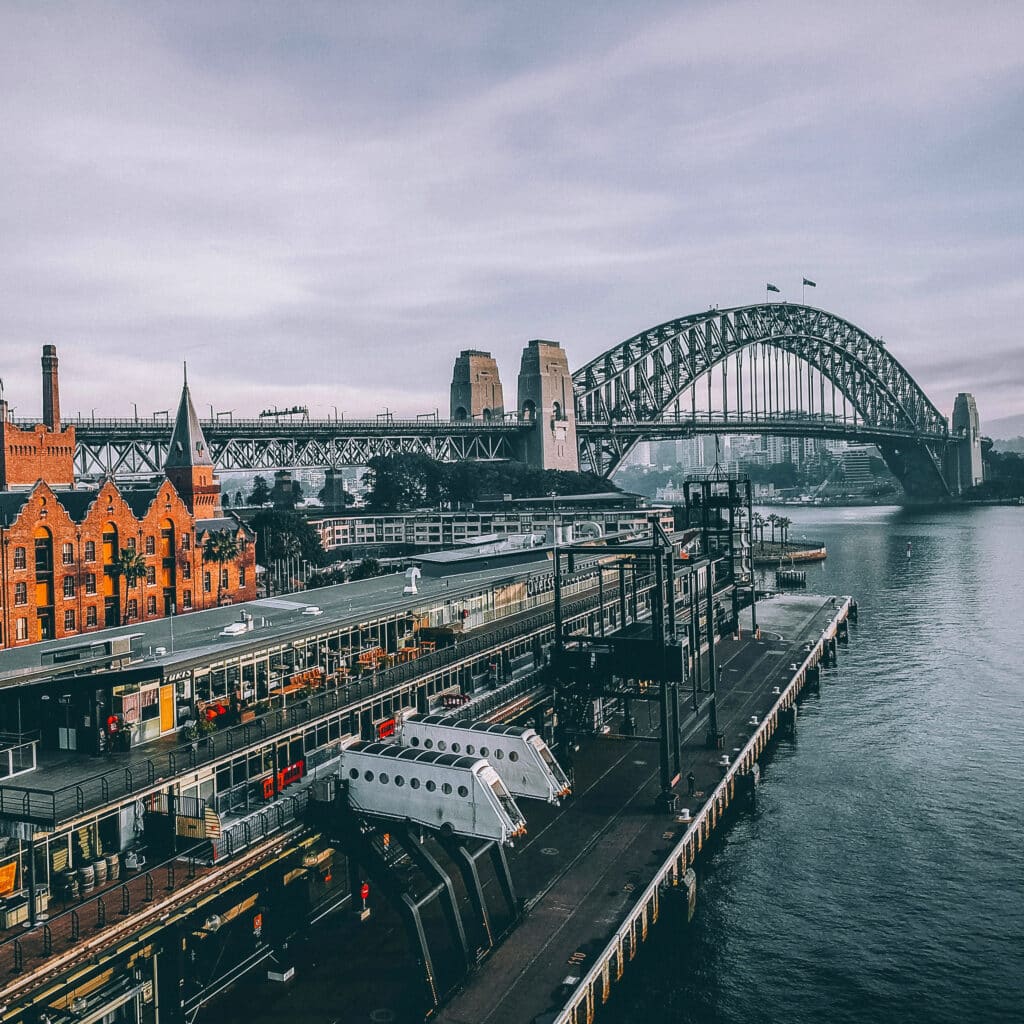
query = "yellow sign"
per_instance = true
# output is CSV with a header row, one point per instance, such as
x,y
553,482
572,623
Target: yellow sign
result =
x,y
8,876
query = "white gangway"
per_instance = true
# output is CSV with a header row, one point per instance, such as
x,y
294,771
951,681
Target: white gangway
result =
x,y
522,759
450,792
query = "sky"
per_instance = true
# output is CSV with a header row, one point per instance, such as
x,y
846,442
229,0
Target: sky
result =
x,y
321,204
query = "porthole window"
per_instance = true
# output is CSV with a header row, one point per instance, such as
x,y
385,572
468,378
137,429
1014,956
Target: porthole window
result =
x,y
483,751
499,754
513,756
399,781
431,785
456,748
463,791
441,745
383,777
414,783
428,744
446,788
368,776
353,773
470,749
415,741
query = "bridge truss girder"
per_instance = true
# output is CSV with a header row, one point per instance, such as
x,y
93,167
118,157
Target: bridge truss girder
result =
x,y
123,449
641,381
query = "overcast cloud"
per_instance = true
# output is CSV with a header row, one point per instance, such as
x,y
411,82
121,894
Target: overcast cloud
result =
x,y
322,203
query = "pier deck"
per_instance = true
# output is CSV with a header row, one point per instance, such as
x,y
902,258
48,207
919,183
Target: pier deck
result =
x,y
583,870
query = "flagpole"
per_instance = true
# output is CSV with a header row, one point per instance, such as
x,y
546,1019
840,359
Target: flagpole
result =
x,y
803,293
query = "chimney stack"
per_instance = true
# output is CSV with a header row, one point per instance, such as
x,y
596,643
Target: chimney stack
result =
x,y
51,392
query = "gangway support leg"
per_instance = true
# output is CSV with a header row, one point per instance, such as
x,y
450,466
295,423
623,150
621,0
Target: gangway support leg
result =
x,y
360,851
429,865
504,876
410,913
466,863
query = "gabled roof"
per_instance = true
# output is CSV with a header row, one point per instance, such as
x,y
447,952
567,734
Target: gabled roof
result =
x,y
11,504
140,500
230,523
188,445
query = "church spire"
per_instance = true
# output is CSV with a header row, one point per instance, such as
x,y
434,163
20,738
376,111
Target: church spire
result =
x,y
188,443
189,465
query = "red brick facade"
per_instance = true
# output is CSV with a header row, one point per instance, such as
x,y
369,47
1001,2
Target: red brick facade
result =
x,y
58,544
55,567
38,454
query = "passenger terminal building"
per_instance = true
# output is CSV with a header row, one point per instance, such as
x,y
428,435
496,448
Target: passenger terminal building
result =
x,y
62,547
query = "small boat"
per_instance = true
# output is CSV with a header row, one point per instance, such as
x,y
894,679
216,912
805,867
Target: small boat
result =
x,y
909,548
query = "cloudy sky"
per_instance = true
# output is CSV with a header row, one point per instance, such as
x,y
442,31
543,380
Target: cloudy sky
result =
x,y
322,203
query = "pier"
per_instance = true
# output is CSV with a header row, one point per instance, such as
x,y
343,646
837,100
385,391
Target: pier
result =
x,y
615,860
635,660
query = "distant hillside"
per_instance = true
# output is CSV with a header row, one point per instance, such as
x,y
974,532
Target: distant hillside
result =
x,y
1005,426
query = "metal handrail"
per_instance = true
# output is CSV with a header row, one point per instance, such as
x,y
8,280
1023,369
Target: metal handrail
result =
x,y
57,806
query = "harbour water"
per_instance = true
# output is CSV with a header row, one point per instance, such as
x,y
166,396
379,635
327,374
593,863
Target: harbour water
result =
x,y
881,877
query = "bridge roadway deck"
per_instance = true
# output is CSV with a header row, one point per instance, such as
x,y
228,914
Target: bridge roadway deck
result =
x,y
578,870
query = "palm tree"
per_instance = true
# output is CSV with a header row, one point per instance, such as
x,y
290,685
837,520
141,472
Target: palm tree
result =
x,y
130,566
773,521
758,524
784,525
220,548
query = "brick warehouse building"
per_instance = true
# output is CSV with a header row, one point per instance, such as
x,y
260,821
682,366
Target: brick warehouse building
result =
x,y
60,546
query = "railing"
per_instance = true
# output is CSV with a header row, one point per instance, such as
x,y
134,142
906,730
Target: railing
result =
x,y
63,930
275,817
595,985
17,753
53,807
268,425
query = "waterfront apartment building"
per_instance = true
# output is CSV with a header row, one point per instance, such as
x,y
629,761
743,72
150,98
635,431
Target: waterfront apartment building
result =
x,y
64,550
429,530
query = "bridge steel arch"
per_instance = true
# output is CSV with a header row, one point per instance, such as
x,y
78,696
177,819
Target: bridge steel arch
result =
x,y
628,393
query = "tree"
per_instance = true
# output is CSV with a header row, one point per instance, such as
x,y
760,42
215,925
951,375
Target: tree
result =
x,y
220,548
239,499
130,566
784,524
260,491
366,569
285,535
773,522
401,483
758,523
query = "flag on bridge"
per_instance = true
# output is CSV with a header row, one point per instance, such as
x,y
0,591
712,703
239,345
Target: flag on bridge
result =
x,y
808,283
772,288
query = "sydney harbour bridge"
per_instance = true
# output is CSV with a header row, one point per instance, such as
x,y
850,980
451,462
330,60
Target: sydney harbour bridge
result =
x,y
770,369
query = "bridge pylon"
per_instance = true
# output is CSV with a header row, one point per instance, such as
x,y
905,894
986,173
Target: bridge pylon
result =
x,y
476,392
546,400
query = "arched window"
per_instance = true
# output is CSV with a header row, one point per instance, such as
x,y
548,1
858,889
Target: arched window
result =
x,y
461,413
529,410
